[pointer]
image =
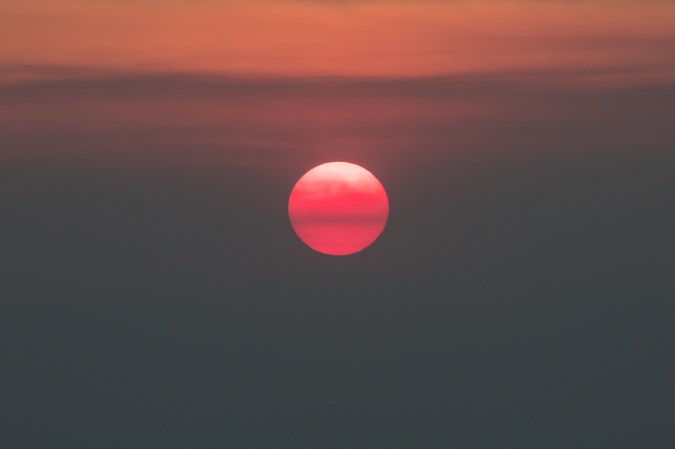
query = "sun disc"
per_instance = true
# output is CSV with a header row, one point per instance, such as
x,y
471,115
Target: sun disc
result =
x,y
338,208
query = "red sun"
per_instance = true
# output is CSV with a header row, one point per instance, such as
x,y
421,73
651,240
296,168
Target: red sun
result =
x,y
338,208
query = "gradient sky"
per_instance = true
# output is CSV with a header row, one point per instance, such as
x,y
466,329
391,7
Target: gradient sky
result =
x,y
386,37
153,293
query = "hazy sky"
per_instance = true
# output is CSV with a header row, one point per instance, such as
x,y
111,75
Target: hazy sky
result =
x,y
338,37
154,295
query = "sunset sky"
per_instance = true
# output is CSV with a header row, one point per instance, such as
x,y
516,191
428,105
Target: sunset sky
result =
x,y
339,37
153,292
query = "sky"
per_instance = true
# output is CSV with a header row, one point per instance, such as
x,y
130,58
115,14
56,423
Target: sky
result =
x,y
153,292
339,37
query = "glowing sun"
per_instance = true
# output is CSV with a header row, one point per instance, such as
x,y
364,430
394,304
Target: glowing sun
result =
x,y
338,208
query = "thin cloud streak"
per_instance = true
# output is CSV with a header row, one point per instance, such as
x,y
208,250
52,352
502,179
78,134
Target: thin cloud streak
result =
x,y
168,118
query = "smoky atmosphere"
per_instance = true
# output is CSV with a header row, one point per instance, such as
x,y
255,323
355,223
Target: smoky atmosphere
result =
x,y
489,261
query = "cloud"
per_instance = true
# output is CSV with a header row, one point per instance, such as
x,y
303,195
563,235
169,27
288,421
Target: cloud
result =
x,y
164,117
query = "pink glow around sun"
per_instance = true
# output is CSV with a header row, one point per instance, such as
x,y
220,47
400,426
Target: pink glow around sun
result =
x,y
338,208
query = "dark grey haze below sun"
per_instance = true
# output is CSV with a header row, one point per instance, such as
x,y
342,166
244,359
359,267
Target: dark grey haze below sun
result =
x,y
526,268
